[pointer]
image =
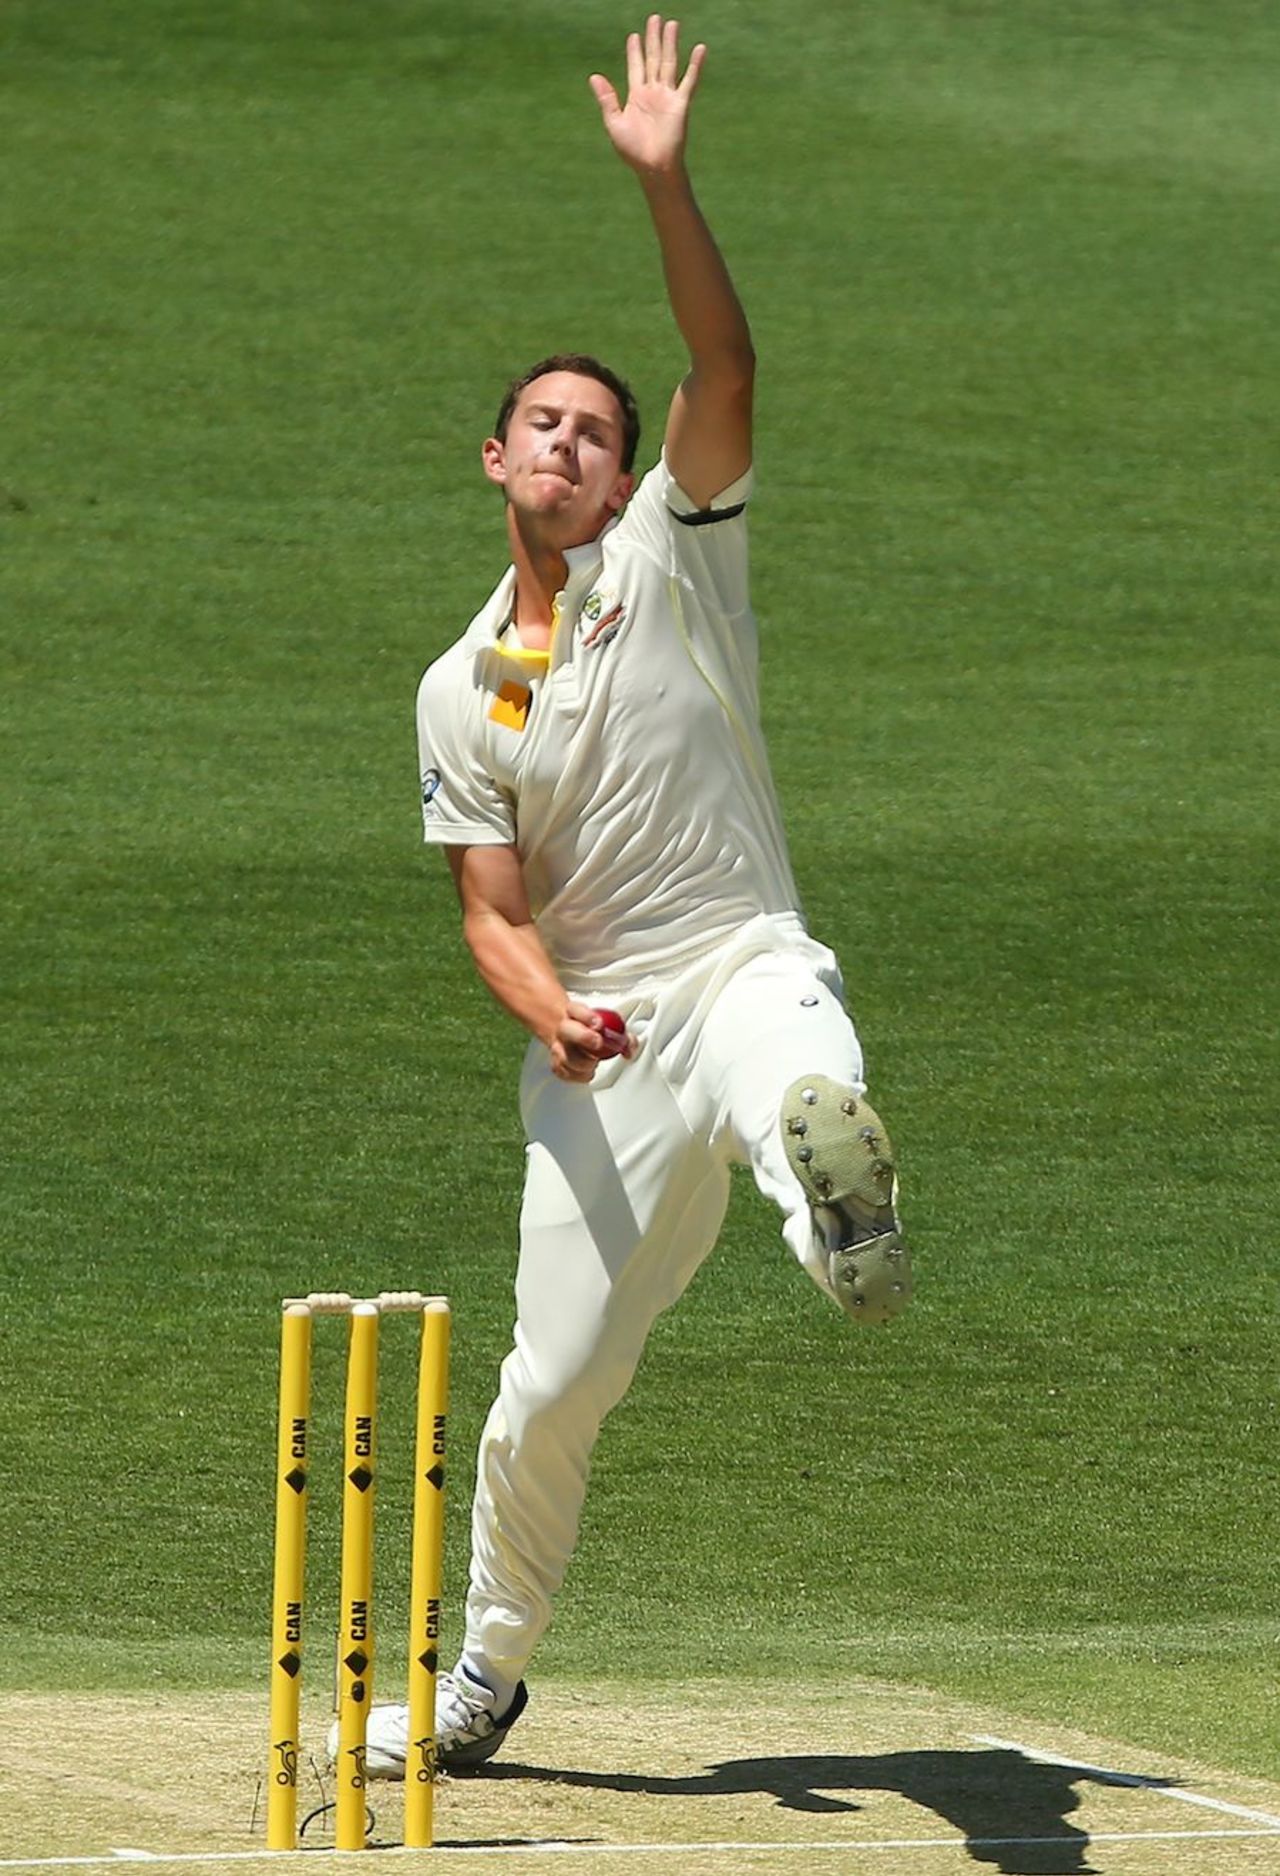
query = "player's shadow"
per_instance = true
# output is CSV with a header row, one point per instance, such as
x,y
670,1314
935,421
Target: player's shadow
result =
x,y
1014,1812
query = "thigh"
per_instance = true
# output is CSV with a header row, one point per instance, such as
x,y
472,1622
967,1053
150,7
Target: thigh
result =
x,y
622,1202
778,1018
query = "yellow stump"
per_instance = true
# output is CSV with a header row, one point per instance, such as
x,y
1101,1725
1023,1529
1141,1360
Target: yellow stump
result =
x,y
426,1583
289,1578
355,1640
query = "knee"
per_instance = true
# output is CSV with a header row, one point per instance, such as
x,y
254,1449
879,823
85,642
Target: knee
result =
x,y
564,1396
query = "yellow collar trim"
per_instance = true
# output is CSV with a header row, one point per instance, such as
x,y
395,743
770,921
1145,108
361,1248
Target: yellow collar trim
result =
x,y
535,662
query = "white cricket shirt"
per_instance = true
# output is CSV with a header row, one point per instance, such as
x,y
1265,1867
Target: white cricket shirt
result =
x,y
632,777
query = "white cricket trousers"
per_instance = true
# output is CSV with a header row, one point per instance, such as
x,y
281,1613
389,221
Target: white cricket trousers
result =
x,y
626,1186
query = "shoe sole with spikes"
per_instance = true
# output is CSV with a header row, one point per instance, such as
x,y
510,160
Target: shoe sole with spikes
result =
x,y
838,1149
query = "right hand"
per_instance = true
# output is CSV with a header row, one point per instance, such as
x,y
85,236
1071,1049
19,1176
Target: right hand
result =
x,y
576,1048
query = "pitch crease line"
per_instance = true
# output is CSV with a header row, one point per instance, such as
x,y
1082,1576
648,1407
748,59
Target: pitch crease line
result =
x,y
1134,1779
847,1847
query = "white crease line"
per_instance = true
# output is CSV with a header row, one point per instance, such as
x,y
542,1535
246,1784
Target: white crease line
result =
x,y
1134,1779
597,1848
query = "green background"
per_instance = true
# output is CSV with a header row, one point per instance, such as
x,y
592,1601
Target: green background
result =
x,y
1013,274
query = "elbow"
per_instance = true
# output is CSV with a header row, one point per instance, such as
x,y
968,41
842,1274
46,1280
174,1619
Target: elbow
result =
x,y
476,929
728,370
487,932
738,370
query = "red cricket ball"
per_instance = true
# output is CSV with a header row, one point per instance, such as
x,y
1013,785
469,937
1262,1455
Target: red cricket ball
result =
x,y
613,1036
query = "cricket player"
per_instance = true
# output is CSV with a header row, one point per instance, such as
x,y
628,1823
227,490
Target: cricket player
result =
x,y
593,766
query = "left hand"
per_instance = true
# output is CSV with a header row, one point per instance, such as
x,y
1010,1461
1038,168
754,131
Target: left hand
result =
x,y
649,133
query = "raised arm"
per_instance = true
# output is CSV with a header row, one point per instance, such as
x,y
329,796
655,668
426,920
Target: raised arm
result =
x,y
708,438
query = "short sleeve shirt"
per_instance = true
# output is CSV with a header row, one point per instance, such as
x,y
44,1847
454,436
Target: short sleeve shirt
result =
x,y
631,777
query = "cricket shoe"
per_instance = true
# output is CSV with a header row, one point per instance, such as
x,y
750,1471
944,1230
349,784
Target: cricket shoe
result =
x,y
467,1730
837,1147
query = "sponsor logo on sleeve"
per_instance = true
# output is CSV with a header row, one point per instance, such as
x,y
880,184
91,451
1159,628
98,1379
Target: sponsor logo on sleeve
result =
x,y
430,784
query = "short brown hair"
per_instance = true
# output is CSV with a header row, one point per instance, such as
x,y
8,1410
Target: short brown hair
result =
x,y
585,367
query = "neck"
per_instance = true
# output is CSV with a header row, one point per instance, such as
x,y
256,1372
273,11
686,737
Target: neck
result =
x,y
541,571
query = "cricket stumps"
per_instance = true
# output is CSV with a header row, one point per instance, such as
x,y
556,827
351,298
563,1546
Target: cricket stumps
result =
x,y
356,1634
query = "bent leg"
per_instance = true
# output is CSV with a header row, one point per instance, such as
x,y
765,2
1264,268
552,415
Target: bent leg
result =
x,y
789,1080
621,1206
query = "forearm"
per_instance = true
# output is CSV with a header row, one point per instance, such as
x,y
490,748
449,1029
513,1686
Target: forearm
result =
x,y
514,966
703,298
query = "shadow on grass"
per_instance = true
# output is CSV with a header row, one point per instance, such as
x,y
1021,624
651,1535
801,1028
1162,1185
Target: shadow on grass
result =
x,y
1012,1810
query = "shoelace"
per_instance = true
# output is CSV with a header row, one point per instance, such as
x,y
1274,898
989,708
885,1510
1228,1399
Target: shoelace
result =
x,y
467,1715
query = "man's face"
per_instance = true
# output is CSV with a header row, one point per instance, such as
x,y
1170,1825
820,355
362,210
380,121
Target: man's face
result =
x,y
560,466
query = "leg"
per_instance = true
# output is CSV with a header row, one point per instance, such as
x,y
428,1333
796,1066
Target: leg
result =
x,y
623,1200
621,1206
788,1073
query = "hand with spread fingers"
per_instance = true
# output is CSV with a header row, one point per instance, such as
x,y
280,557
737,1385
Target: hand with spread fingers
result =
x,y
648,132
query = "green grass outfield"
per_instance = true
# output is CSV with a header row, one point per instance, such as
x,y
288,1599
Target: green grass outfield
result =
x,y
1013,275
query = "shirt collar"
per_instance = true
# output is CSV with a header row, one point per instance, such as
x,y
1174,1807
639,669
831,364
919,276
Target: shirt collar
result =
x,y
583,563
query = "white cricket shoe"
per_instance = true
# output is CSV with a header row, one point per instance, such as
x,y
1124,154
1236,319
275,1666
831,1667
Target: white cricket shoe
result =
x,y
467,1730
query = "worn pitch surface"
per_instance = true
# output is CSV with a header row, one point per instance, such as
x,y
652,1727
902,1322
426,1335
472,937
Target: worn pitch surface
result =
x,y
708,1778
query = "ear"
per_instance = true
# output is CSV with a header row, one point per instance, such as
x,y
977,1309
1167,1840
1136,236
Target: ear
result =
x,y
620,494
493,455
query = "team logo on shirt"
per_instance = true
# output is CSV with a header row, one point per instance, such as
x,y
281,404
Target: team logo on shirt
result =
x,y
603,617
431,780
